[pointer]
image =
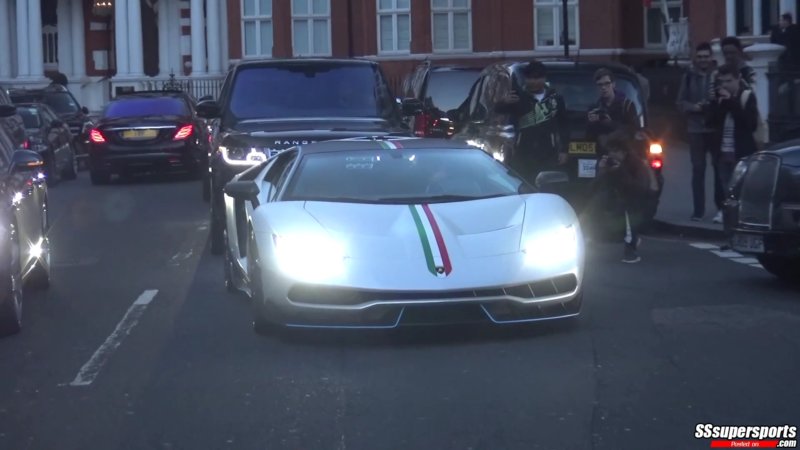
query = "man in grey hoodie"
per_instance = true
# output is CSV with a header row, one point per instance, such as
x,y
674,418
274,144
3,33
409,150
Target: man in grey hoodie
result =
x,y
696,91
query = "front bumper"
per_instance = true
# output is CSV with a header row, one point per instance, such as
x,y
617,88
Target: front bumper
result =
x,y
309,306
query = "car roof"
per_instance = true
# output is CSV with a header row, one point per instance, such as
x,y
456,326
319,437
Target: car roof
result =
x,y
380,143
285,62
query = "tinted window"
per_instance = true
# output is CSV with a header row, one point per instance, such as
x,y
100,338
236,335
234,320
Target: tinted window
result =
x,y
580,91
447,90
61,103
140,107
393,176
310,91
30,116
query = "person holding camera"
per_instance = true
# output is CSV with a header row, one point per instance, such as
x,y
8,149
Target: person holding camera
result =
x,y
734,117
612,112
539,116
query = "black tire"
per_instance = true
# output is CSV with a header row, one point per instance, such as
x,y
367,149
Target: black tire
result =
x,y
39,277
71,171
217,224
230,284
11,303
786,269
99,177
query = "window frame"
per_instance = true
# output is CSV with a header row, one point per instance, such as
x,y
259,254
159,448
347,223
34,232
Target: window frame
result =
x,y
394,13
451,11
309,18
257,19
557,24
646,28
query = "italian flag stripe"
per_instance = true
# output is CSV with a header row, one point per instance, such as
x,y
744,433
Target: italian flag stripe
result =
x,y
390,145
432,241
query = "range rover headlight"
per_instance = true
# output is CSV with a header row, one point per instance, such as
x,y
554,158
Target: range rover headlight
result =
x,y
738,173
241,156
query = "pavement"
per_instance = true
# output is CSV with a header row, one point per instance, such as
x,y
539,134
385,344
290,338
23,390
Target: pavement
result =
x,y
137,345
675,207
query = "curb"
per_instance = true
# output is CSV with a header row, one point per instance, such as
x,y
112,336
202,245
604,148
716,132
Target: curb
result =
x,y
687,230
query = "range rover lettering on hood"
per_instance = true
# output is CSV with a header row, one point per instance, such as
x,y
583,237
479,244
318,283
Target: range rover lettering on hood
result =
x,y
296,142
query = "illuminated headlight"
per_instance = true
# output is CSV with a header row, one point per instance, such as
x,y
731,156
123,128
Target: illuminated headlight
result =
x,y
475,143
17,199
738,173
309,258
656,149
552,247
499,156
239,156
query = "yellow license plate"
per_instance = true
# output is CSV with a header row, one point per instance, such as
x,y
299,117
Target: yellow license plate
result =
x,y
582,148
139,134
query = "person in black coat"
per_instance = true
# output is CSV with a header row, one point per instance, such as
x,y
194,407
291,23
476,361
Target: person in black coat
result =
x,y
612,112
787,34
539,116
734,118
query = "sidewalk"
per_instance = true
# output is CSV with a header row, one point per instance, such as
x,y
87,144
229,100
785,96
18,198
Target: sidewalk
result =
x,y
675,207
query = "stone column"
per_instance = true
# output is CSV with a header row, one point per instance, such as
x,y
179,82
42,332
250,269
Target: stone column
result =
x,y
63,17
164,51
121,37
23,45
761,56
198,38
78,40
35,39
135,46
214,38
757,17
5,39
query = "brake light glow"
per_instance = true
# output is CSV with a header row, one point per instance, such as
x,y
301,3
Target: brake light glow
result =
x,y
656,149
421,125
656,164
26,144
96,136
183,133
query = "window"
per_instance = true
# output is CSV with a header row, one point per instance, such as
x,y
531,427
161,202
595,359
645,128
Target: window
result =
x,y
655,32
394,26
452,25
139,107
549,19
311,27
257,28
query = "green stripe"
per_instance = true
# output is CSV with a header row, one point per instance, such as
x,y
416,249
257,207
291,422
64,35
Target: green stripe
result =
x,y
423,237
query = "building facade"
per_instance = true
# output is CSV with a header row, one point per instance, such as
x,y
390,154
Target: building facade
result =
x,y
108,46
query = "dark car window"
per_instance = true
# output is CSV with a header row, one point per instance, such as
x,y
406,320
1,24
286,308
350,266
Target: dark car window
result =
x,y
60,102
448,89
580,92
142,107
30,117
309,91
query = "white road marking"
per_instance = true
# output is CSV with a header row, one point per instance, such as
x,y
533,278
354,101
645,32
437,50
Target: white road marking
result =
x,y
92,368
727,254
704,246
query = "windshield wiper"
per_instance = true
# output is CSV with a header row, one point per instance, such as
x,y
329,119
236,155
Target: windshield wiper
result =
x,y
438,198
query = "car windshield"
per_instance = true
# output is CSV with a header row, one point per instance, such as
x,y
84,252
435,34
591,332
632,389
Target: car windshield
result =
x,y
349,90
60,102
30,116
448,89
402,176
580,91
143,107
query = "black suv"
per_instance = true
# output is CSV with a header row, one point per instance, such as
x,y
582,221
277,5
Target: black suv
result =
x,y
12,122
64,104
438,89
268,106
477,123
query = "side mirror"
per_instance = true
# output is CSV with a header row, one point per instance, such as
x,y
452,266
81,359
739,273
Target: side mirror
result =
x,y
85,110
56,124
551,181
242,190
7,110
208,109
411,106
26,160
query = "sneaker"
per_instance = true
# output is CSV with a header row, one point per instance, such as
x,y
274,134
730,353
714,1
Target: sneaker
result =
x,y
718,217
631,256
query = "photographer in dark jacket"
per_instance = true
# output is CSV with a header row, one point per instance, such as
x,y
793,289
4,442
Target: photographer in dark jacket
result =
x,y
539,116
612,112
734,118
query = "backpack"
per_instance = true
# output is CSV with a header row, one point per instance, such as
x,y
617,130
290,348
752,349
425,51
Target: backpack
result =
x,y
760,135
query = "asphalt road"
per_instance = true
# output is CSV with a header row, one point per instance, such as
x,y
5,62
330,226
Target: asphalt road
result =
x,y
685,337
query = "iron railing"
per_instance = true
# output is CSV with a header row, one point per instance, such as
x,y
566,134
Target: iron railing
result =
x,y
196,87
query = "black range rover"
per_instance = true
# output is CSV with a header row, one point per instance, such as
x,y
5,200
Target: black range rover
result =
x,y
268,106
762,211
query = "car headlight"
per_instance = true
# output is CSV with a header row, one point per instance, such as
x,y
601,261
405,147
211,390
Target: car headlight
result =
x,y
312,258
656,149
475,143
552,247
240,156
499,156
738,173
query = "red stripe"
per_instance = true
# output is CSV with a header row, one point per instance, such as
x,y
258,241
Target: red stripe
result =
x,y
439,239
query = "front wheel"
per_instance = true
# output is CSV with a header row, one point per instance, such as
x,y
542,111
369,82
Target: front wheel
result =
x,y
786,269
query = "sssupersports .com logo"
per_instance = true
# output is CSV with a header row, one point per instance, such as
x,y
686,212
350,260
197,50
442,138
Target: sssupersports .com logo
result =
x,y
747,436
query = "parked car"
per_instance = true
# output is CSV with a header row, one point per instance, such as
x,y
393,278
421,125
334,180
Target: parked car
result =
x,y
761,215
477,123
24,225
307,100
438,89
66,107
50,137
147,131
389,231
12,123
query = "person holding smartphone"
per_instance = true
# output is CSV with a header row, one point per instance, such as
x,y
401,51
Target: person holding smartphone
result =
x,y
612,112
539,116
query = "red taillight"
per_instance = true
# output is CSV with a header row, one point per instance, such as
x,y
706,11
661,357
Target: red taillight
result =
x,y
422,125
656,164
96,136
26,144
183,133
